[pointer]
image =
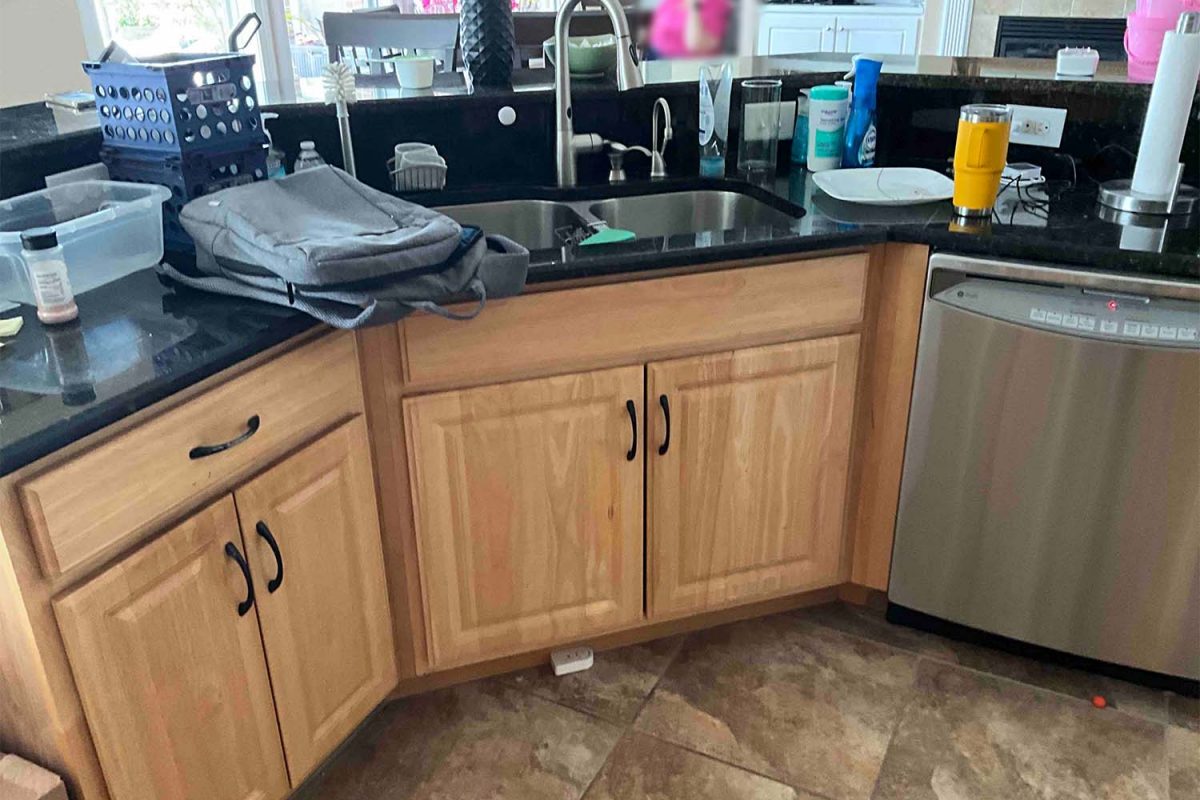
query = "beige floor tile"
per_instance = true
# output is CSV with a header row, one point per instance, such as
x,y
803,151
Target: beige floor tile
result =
x,y
969,735
614,688
481,741
798,702
1131,698
644,768
1183,758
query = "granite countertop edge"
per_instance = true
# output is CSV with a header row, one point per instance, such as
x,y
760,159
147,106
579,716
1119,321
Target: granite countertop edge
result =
x,y
616,262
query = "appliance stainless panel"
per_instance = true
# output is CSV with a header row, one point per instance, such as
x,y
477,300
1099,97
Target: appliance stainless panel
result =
x,y
1051,485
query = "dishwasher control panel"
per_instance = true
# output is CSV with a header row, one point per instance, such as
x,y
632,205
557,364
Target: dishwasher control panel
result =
x,y
1082,312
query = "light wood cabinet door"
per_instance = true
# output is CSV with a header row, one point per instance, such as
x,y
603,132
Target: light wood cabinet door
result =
x,y
528,507
748,499
173,680
325,619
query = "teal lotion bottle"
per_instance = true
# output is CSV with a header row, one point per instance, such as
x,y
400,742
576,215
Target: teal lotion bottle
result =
x,y
716,84
800,133
861,135
827,107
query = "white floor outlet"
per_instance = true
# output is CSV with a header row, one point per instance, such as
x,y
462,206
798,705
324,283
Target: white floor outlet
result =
x,y
571,659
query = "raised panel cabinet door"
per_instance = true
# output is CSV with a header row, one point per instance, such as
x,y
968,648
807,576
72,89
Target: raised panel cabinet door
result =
x,y
311,527
795,30
172,677
528,507
877,33
746,499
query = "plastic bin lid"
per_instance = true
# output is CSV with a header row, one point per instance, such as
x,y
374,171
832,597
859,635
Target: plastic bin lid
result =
x,y
73,207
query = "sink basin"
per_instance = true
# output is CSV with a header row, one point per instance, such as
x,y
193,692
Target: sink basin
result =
x,y
689,212
537,224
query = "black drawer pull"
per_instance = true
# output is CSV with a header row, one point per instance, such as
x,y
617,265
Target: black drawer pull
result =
x,y
232,551
632,409
262,530
666,408
205,450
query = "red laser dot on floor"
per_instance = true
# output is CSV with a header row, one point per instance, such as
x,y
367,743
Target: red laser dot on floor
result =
x,y
1099,702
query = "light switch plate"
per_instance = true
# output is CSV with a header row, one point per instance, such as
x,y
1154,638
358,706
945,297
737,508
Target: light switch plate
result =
x,y
1041,127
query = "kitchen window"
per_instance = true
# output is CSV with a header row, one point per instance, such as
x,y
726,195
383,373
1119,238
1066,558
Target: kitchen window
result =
x,y
290,47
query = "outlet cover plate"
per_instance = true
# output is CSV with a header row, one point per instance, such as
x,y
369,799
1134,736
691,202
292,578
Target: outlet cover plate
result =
x,y
1038,126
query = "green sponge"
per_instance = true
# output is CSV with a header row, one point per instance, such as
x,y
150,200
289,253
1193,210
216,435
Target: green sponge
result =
x,y
609,236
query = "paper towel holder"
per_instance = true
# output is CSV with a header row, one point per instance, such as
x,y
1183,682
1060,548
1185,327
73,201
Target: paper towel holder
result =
x,y
1182,199
1119,194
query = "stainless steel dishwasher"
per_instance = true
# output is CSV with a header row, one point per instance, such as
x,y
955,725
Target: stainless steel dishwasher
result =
x,y
1051,484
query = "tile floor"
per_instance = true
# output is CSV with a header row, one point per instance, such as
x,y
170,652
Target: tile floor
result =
x,y
830,702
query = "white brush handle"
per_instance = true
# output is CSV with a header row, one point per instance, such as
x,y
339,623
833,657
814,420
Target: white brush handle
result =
x,y
347,145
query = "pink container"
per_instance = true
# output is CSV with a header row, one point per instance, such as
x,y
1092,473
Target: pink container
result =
x,y
1144,37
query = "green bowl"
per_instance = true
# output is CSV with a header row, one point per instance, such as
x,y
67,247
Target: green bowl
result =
x,y
586,55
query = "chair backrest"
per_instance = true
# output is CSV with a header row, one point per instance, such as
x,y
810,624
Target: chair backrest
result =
x,y
531,28
366,40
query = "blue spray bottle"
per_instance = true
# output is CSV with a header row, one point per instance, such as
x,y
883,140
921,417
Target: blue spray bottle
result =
x,y
860,126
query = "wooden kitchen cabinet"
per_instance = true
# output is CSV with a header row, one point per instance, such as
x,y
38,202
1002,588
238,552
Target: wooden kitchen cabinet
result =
x,y
172,677
528,511
322,601
746,499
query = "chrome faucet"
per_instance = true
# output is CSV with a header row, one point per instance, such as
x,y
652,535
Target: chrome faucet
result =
x,y
628,77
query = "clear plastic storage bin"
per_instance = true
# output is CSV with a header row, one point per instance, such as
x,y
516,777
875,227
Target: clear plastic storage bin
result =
x,y
107,230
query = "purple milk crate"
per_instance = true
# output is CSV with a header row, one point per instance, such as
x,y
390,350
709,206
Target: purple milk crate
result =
x,y
178,102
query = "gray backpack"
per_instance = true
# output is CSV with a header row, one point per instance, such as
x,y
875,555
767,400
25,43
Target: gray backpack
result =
x,y
349,255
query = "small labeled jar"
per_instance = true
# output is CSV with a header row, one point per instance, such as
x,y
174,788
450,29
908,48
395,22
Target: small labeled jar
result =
x,y
43,257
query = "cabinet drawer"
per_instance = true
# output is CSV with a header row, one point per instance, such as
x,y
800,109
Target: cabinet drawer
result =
x,y
623,323
114,492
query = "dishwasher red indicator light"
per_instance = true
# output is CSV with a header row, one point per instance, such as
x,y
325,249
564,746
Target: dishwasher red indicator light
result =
x,y
1112,305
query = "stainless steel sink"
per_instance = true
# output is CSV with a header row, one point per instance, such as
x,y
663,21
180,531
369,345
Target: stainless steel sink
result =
x,y
537,224
688,212
546,224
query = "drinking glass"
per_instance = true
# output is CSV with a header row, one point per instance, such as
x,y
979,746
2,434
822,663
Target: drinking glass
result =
x,y
758,141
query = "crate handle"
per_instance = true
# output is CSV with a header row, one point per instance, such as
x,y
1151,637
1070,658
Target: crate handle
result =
x,y
234,47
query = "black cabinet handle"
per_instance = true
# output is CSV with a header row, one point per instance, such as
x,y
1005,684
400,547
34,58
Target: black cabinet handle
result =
x,y
205,450
232,551
262,530
666,408
632,409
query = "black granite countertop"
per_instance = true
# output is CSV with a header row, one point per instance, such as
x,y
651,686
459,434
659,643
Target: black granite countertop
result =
x,y
138,340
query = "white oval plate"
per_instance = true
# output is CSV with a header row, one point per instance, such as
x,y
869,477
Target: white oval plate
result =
x,y
885,186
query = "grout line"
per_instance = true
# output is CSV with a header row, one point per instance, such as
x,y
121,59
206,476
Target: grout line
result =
x,y
733,765
912,700
1004,678
666,666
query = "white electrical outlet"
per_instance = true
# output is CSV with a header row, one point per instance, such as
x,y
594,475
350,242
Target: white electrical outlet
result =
x,y
1041,127
571,659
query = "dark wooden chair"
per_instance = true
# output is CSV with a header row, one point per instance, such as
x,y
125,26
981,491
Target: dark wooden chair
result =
x,y
366,40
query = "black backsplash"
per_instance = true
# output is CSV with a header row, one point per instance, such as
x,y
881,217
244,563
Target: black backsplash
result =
x,y
916,127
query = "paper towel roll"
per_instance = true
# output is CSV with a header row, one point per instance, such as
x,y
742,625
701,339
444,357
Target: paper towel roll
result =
x,y
1167,114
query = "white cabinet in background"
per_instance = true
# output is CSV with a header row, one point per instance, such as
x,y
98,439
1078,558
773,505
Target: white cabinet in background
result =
x,y
784,29
886,34
788,32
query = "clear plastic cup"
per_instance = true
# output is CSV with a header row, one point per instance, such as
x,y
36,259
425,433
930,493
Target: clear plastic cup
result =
x,y
758,140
